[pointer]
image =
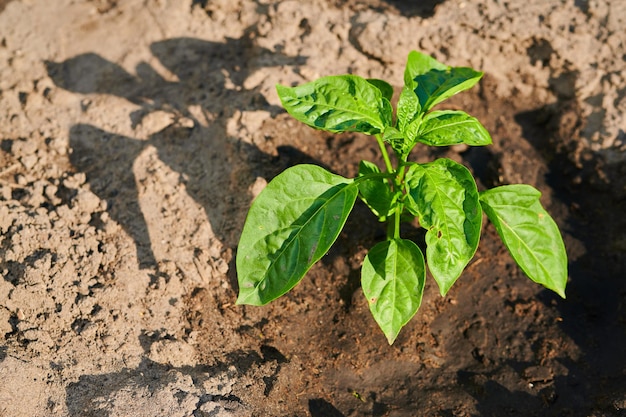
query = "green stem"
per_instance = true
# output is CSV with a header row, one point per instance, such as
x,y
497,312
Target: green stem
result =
x,y
393,225
397,216
383,150
391,228
400,176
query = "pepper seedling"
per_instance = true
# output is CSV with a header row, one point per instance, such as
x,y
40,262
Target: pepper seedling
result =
x,y
294,221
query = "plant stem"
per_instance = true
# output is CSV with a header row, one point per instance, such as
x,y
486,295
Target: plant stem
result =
x,y
381,144
400,176
393,225
397,216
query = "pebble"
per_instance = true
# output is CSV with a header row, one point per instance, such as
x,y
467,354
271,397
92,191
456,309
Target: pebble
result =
x,y
29,161
87,201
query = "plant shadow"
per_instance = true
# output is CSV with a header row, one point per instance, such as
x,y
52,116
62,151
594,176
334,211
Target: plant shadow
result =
x,y
594,313
152,386
213,166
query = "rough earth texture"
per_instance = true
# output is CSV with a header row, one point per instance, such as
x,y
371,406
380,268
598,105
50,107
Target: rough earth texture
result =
x,y
135,133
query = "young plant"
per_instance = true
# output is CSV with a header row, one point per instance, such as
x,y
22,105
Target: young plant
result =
x,y
298,216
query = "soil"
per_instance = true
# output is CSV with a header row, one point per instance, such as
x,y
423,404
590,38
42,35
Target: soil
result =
x,y
135,133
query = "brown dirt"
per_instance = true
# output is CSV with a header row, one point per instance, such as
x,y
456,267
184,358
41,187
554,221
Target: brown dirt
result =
x,y
134,134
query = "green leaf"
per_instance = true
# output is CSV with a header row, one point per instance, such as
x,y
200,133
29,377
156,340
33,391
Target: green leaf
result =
x,y
340,103
385,88
392,278
290,226
409,121
434,81
529,233
396,139
375,192
437,85
418,64
408,108
411,133
449,127
443,195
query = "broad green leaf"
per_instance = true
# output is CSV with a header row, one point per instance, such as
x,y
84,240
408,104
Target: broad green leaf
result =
x,y
529,233
385,88
290,226
408,108
340,103
443,195
392,278
449,127
411,133
375,192
418,63
437,85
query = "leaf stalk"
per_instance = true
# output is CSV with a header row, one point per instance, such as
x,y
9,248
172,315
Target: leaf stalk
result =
x,y
383,150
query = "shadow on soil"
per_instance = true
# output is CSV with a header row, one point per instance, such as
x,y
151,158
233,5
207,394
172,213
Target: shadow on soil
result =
x,y
194,145
203,389
321,408
594,313
422,8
